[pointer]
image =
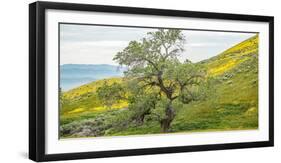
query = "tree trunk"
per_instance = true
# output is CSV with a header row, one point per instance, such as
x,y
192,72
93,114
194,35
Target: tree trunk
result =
x,y
169,117
140,119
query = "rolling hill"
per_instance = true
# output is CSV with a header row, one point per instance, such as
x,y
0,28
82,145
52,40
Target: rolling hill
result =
x,y
233,105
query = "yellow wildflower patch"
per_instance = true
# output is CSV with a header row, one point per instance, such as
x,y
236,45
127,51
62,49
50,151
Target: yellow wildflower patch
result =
x,y
119,105
78,110
221,69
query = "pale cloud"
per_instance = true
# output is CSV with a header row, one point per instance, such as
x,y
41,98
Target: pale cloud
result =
x,y
84,44
99,52
201,44
107,43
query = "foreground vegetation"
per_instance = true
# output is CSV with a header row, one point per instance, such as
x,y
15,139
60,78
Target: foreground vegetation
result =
x,y
230,104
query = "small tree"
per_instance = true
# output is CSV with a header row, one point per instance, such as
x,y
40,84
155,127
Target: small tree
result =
x,y
153,63
110,94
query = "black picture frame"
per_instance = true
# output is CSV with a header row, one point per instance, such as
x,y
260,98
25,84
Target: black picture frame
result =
x,y
37,80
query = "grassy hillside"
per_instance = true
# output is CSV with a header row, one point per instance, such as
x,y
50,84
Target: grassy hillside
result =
x,y
232,57
232,105
82,102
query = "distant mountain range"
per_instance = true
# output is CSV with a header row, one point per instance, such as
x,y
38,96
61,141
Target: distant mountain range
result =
x,y
73,75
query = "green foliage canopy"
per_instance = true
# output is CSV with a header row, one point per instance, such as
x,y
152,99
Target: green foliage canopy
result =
x,y
153,62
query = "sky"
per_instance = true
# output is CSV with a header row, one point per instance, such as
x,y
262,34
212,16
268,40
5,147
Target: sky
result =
x,y
90,44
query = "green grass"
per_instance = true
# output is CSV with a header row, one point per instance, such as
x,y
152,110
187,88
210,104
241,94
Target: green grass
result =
x,y
232,105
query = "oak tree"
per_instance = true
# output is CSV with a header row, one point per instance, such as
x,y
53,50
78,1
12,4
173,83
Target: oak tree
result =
x,y
154,63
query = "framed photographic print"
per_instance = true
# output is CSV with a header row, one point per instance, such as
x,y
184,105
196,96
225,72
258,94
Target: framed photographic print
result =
x,y
118,81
